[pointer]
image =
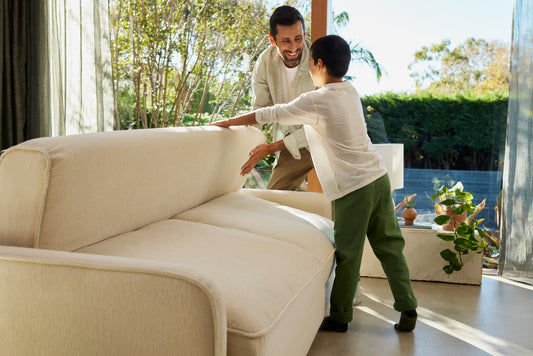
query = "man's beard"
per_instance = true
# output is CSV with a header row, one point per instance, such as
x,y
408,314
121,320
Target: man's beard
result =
x,y
292,62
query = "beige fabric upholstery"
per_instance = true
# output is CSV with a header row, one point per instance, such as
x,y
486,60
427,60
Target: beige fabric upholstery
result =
x,y
307,201
243,212
59,303
92,194
263,280
165,254
23,185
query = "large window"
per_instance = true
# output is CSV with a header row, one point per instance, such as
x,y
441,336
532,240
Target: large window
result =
x,y
443,93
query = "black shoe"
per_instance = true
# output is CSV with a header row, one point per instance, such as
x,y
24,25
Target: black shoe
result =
x,y
407,321
332,325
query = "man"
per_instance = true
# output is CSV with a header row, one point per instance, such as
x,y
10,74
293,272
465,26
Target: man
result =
x,y
280,75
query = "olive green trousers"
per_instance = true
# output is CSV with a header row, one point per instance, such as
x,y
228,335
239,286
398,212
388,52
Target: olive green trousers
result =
x,y
369,212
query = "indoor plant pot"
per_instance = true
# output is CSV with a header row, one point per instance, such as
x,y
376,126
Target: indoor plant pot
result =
x,y
455,220
409,213
409,216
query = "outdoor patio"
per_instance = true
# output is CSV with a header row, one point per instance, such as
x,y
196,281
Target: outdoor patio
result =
x,y
492,319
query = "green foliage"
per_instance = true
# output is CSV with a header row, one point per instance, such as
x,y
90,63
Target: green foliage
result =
x,y
440,131
410,201
182,58
475,66
465,237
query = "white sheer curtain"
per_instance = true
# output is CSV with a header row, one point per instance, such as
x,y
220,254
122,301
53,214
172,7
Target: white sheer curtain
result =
x,y
517,227
76,87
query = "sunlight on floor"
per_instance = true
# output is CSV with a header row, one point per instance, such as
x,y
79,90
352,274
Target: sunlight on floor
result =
x,y
375,314
516,284
477,338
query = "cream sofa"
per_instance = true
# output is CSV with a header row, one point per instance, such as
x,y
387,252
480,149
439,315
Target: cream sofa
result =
x,y
143,243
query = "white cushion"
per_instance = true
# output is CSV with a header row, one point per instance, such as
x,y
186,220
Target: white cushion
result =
x,y
311,232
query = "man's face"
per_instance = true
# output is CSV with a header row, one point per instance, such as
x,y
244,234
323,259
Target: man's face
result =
x,y
290,42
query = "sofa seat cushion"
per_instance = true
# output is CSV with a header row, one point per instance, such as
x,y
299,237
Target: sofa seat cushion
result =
x,y
258,276
311,232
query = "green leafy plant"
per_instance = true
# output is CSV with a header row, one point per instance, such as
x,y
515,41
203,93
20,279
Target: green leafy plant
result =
x,y
465,236
410,201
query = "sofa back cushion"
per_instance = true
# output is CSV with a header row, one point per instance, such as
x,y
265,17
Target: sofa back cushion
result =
x,y
68,192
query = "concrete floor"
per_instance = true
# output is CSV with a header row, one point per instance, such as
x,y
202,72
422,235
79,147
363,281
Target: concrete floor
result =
x,y
495,318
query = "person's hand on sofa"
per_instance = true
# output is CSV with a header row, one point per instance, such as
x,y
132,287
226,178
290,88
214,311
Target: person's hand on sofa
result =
x,y
242,120
260,152
222,123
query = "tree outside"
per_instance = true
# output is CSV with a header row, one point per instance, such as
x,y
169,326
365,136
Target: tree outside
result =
x,y
184,62
475,66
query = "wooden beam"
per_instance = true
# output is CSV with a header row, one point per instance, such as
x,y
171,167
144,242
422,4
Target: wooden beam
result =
x,y
319,18
319,28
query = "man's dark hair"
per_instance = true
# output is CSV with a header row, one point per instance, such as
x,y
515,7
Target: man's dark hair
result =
x,y
285,16
335,54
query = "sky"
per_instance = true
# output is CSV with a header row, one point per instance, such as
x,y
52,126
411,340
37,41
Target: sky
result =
x,y
394,30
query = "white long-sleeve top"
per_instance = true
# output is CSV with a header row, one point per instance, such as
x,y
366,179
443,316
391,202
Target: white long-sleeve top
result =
x,y
335,128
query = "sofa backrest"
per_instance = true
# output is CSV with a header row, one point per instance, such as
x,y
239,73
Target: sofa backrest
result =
x,y
68,192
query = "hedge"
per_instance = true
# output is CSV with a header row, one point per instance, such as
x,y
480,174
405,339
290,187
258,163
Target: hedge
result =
x,y
464,132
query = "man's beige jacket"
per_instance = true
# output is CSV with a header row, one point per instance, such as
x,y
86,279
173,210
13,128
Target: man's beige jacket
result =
x,y
268,80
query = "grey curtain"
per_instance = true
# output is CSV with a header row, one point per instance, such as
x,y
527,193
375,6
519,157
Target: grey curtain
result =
x,y
517,225
19,120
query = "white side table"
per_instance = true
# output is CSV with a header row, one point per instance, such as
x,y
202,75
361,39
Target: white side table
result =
x,y
422,252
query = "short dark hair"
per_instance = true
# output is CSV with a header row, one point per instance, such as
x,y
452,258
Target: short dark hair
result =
x,y
285,16
334,52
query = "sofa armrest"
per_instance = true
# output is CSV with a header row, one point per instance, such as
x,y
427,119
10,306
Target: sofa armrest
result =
x,y
64,303
307,201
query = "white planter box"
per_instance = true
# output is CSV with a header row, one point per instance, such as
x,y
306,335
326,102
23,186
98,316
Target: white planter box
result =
x,y
422,252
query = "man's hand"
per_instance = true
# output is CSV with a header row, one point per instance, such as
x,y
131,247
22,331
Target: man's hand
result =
x,y
260,152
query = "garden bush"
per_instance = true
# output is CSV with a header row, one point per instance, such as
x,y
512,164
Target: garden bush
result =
x,y
464,132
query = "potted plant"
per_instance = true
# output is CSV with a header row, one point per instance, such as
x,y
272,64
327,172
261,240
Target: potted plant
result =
x,y
409,213
465,234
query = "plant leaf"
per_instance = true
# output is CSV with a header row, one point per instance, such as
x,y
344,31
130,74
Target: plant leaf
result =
x,y
460,209
464,197
448,255
448,269
446,237
461,249
465,230
457,187
442,219
466,243
448,202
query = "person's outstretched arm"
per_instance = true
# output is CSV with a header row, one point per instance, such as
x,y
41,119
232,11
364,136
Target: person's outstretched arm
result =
x,y
257,153
242,120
